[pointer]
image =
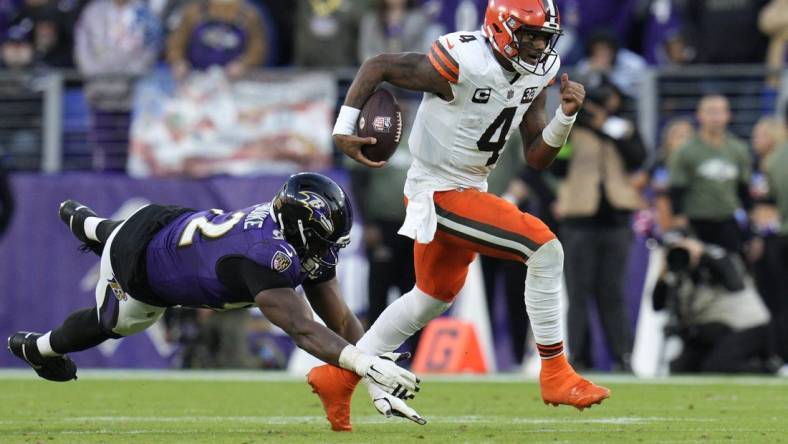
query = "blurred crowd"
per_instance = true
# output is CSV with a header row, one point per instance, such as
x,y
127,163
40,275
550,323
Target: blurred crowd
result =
x,y
718,204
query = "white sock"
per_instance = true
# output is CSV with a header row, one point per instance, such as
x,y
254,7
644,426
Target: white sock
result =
x,y
44,347
542,292
401,320
91,224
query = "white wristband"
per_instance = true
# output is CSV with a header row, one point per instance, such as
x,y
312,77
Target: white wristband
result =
x,y
557,131
346,120
353,359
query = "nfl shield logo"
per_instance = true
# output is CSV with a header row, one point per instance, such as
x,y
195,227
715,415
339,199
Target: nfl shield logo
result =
x,y
382,124
509,94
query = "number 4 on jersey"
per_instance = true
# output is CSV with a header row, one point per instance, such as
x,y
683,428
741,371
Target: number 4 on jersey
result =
x,y
502,122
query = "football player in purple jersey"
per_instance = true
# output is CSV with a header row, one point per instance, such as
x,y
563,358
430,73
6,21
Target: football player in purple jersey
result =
x,y
165,256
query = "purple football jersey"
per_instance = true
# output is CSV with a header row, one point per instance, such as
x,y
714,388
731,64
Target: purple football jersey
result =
x,y
183,256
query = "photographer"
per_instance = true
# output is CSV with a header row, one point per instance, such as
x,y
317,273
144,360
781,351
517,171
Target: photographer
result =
x,y
713,308
596,199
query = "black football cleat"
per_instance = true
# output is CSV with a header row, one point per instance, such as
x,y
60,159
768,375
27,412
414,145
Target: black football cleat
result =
x,y
73,214
54,368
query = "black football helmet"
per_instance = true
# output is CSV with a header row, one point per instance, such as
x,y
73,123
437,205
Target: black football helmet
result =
x,y
315,217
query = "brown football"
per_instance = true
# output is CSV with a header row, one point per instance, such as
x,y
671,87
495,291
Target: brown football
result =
x,y
380,118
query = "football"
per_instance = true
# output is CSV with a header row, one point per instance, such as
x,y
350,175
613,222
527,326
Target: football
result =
x,y
380,118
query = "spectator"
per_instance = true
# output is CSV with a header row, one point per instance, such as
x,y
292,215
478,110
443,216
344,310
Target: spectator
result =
x,y
20,135
604,56
709,178
394,26
615,15
726,31
663,40
8,10
714,309
767,134
776,166
52,34
117,41
18,53
773,21
326,33
595,203
675,134
226,33
53,29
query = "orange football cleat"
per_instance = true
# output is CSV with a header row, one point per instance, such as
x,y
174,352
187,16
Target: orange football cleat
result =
x,y
334,386
562,385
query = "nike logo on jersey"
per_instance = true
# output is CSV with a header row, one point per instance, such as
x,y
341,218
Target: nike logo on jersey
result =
x,y
448,43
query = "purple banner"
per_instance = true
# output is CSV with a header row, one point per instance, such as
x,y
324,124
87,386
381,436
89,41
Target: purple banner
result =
x,y
43,277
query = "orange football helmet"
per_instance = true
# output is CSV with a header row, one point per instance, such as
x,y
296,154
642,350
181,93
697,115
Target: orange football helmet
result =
x,y
504,18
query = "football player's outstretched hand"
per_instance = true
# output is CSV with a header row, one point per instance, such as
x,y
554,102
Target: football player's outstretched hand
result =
x,y
391,378
572,95
389,406
351,146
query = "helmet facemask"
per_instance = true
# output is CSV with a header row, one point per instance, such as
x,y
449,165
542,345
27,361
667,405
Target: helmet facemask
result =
x,y
512,51
311,245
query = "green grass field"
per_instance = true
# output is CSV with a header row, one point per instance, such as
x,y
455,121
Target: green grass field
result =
x,y
181,407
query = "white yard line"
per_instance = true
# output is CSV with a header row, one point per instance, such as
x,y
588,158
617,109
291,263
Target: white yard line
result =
x,y
372,419
277,376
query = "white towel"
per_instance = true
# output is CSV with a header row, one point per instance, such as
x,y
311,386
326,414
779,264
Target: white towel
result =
x,y
420,218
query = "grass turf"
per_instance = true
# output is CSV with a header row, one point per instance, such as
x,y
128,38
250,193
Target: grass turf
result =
x,y
147,409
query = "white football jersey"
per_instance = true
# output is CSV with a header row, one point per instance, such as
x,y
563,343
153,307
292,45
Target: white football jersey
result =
x,y
456,144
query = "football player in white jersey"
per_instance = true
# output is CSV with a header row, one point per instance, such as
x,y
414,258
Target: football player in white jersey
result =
x,y
478,88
